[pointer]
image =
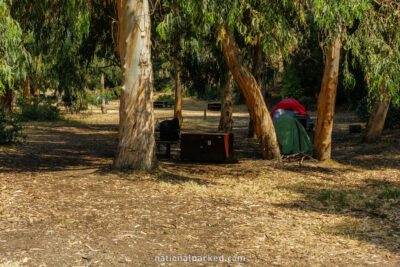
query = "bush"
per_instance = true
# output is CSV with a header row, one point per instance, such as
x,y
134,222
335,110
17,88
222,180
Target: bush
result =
x,y
363,111
10,128
115,93
76,101
38,110
168,98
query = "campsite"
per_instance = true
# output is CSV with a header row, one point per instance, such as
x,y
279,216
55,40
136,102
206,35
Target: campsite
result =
x,y
199,133
72,208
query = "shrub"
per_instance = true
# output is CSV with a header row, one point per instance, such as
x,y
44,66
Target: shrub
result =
x,y
115,93
10,128
76,101
169,98
38,110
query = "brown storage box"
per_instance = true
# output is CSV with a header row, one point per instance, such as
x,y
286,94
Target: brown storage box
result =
x,y
208,147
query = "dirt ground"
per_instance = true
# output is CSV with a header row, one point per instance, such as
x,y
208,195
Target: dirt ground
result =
x,y
61,203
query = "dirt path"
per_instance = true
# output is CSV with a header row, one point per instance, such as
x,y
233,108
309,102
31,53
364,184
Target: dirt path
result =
x,y
62,205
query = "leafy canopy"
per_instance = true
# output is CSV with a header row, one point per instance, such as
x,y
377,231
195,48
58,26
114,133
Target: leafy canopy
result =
x,y
13,56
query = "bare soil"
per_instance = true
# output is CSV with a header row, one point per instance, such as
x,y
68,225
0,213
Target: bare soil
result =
x,y
62,204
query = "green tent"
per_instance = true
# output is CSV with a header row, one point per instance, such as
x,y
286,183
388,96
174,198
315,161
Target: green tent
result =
x,y
292,136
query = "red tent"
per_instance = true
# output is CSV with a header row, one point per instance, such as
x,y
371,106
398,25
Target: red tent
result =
x,y
290,104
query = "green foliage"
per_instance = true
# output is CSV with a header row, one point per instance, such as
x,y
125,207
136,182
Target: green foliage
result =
x,y
181,47
115,93
210,93
275,23
375,46
170,98
38,110
13,56
333,16
10,128
78,100
67,40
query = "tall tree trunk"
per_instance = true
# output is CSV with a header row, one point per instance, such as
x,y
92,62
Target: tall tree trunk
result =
x,y
257,70
27,89
377,118
226,119
136,144
258,110
326,102
7,99
103,98
178,92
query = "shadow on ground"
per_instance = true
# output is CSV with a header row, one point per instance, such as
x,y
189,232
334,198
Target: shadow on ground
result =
x,y
372,210
57,148
385,153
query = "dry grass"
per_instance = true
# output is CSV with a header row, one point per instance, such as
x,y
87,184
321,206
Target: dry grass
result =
x,y
62,205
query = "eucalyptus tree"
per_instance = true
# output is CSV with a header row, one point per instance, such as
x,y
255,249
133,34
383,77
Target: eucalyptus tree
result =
x,y
333,17
187,47
98,46
53,33
136,144
13,55
272,22
376,46
177,38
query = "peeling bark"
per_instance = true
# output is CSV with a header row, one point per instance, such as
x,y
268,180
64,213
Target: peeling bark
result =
x,y
258,110
226,119
136,144
326,103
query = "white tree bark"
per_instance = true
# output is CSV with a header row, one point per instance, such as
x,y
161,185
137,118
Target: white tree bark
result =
x,y
136,144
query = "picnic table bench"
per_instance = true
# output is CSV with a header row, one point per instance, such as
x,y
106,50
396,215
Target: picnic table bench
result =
x,y
162,104
215,106
167,144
